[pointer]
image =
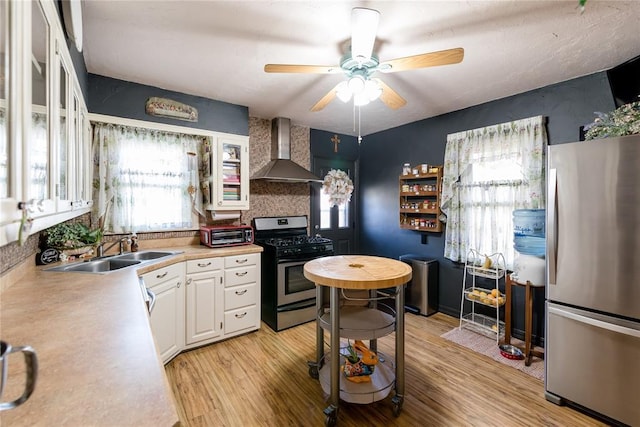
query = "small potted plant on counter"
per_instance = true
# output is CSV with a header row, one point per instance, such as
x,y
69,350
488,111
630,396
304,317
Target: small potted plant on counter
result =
x,y
73,239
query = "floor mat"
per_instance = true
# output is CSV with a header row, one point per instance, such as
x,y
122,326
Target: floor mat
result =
x,y
488,347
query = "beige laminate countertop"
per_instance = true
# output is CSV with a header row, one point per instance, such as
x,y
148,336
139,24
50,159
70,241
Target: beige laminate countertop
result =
x,y
98,364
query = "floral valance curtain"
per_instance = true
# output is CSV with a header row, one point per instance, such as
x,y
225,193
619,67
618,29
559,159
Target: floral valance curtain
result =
x,y
143,178
477,207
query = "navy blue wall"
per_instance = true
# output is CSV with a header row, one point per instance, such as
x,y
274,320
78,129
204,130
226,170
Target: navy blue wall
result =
x,y
126,99
567,106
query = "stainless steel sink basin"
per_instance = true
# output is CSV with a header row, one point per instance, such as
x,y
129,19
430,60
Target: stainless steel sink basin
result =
x,y
96,266
144,255
113,263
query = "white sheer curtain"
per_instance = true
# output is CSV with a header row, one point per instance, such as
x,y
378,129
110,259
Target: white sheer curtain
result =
x,y
489,172
143,177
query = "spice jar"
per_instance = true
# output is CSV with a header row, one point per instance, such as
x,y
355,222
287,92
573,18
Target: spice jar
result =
x,y
406,169
405,188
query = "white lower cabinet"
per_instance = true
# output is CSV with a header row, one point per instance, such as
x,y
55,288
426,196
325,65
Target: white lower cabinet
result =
x,y
167,317
241,293
203,301
205,295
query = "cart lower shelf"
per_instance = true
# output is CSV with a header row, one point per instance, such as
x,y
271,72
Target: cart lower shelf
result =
x,y
482,324
382,381
363,323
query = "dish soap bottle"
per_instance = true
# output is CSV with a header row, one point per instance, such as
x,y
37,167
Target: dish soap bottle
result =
x,y
134,243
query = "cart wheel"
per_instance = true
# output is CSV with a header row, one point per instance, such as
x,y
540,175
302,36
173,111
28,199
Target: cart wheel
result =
x,y
313,372
331,419
397,405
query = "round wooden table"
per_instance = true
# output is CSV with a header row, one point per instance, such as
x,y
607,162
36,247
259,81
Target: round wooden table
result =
x,y
364,273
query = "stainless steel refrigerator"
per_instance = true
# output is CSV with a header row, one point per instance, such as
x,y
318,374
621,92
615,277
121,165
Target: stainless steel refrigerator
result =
x,y
593,276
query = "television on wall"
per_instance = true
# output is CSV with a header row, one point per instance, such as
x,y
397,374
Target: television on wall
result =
x,y
624,81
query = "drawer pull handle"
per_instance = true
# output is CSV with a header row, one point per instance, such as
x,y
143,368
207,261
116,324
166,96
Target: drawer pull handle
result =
x,y
244,273
240,316
242,261
204,265
160,276
242,292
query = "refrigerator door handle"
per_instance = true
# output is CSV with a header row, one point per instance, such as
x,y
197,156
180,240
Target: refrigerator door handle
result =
x,y
551,226
595,322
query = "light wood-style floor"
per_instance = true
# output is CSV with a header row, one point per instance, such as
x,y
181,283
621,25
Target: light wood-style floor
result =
x,y
262,379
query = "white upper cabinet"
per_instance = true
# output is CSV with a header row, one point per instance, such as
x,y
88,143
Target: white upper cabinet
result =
x,y
44,137
229,180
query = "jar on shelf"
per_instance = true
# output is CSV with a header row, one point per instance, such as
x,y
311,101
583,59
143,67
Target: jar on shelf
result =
x,y
406,169
416,188
424,168
405,188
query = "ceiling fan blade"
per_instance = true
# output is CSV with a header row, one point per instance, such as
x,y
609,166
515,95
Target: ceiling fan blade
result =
x,y
364,25
310,69
325,99
442,57
390,97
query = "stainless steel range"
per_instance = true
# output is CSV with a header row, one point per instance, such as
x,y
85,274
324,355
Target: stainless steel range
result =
x,y
288,298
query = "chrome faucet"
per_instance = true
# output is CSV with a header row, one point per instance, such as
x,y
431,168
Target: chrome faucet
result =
x,y
101,249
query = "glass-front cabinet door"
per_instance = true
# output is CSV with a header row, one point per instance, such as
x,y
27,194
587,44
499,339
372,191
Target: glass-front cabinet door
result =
x,y
37,153
231,174
4,101
63,164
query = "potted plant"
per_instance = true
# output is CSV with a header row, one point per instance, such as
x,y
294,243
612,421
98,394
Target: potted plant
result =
x,y
73,238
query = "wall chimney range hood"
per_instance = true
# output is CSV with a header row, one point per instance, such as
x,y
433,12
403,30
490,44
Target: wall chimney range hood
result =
x,y
281,168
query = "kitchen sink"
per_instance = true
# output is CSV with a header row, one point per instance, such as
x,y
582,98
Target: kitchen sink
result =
x,y
112,263
144,255
96,266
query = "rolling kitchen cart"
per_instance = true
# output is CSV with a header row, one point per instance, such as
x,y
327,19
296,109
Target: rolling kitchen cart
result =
x,y
364,273
476,298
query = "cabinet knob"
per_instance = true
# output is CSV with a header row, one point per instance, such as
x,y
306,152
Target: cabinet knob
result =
x,y
179,283
189,280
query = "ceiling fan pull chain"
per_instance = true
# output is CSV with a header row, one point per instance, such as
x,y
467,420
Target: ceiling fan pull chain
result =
x,y
359,127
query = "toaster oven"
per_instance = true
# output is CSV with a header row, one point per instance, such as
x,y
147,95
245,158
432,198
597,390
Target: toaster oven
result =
x,y
216,236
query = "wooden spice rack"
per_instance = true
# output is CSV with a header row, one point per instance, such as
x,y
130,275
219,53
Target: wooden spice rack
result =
x,y
420,199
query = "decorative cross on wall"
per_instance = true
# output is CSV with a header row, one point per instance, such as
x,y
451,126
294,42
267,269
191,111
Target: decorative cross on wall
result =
x,y
335,141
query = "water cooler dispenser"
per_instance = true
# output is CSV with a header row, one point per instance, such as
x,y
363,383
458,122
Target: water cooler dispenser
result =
x,y
421,295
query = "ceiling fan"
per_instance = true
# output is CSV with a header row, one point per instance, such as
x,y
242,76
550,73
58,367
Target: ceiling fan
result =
x,y
359,63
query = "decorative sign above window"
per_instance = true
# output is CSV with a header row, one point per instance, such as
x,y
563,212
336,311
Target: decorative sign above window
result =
x,y
163,107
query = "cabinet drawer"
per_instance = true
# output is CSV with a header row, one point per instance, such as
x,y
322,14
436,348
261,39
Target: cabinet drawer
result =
x,y
240,276
163,274
242,318
240,296
241,260
205,264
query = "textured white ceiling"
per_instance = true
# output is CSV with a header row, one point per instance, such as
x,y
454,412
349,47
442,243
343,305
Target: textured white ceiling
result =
x,y
217,49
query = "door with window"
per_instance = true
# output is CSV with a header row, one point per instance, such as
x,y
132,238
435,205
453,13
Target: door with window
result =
x,y
334,222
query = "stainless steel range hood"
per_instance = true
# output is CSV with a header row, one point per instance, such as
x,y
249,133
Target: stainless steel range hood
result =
x,y
281,168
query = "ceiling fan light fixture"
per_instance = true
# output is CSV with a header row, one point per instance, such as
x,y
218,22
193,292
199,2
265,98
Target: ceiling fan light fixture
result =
x,y
360,99
372,89
343,92
356,84
364,25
